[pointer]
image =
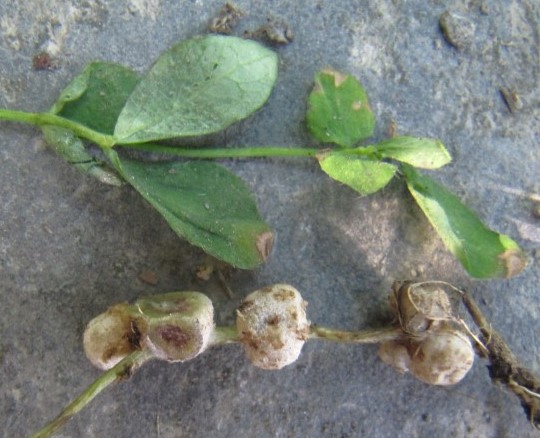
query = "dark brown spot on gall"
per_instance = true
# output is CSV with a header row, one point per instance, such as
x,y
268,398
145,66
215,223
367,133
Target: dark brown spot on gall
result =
x,y
276,343
107,354
174,335
283,295
302,335
245,306
273,320
134,336
249,340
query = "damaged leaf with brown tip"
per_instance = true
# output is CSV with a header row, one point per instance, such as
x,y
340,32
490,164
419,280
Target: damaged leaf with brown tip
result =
x,y
339,110
482,252
205,204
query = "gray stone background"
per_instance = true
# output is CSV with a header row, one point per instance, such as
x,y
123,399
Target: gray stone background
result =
x,y
70,247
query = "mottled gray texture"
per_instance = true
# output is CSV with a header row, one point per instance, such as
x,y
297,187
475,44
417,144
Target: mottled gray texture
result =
x,y
70,247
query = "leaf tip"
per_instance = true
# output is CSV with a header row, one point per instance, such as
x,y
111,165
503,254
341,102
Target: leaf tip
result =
x,y
339,77
264,244
514,261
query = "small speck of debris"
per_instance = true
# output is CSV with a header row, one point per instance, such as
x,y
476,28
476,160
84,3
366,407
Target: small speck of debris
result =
x,y
148,277
275,31
228,17
392,129
278,31
457,29
44,61
512,99
536,210
484,8
204,271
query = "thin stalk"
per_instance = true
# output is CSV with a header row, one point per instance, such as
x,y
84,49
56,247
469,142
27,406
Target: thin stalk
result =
x,y
120,371
246,152
108,141
42,119
224,335
217,153
370,336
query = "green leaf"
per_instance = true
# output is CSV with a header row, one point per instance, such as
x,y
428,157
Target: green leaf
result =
x,y
338,110
97,95
73,90
482,252
426,153
205,204
363,175
197,87
93,98
66,144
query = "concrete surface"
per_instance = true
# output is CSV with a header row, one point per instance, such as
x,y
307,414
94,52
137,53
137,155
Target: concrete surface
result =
x,y
70,247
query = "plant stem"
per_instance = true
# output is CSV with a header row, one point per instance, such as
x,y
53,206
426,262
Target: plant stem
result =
x,y
224,335
42,119
245,152
227,335
370,336
249,152
120,371
504,366
108,141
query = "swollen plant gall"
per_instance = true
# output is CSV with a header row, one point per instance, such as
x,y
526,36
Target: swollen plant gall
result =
x,y
443,358
395,354
179,324
420,306
112,335
273,326
431,347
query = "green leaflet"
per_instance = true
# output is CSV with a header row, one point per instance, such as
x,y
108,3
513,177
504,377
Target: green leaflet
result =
x,y
482,252
363,175
97,95
426,153
205,204
338,110
197,87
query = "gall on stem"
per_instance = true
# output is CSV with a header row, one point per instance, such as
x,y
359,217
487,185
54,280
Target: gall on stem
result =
x,y
272,326
433,347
